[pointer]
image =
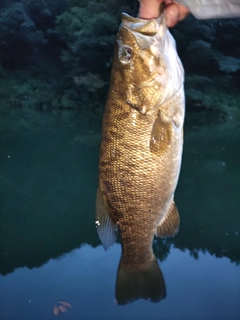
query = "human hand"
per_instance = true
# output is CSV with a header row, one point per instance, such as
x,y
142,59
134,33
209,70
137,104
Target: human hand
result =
x,y
174,12
149,9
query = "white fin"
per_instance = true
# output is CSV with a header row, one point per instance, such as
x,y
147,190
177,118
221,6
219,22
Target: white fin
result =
x,y
106,228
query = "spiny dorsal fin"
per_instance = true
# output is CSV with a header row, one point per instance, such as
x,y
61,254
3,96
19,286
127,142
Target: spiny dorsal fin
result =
x,y
169,226
105,226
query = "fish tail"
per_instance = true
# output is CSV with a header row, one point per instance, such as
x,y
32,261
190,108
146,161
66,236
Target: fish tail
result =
x,y
135,282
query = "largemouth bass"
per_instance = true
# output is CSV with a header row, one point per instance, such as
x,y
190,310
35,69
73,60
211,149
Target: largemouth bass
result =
x,y
140,154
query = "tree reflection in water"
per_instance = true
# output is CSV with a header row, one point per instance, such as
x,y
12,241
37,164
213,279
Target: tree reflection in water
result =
x,y
48,187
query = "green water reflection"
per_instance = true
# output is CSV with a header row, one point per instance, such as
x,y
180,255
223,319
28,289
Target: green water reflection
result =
x,y
48,185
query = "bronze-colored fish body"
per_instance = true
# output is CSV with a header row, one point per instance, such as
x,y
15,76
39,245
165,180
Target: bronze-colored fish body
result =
x,y
142,138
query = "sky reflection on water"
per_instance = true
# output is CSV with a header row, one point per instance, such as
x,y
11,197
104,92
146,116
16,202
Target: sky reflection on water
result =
x,y
196,289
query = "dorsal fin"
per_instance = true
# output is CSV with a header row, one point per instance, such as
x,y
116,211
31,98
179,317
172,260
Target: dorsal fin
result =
x,y
169,226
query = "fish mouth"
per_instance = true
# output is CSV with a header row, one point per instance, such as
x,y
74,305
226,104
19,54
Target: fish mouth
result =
x,y
143,26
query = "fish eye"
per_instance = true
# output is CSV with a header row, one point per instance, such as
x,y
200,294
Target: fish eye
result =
x,y
124,52
127,53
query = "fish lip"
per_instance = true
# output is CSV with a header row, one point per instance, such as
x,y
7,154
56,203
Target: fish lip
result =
x,y
148,27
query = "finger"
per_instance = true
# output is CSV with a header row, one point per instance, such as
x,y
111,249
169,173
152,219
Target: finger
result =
x,y
183,12
172,15
149,9
175,13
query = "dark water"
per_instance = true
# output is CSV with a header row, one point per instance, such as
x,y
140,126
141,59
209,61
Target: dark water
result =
x,y
49,248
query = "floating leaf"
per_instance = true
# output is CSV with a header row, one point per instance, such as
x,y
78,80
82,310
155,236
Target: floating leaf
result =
x,y
65,303
56,311
62,308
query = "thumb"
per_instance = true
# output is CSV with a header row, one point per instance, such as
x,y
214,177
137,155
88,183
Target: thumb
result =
x,y
172,14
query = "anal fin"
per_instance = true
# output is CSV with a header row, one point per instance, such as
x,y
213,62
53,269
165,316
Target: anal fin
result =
x,y
105,226
169,225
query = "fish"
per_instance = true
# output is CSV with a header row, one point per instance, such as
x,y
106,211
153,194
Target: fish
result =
x,y
140,153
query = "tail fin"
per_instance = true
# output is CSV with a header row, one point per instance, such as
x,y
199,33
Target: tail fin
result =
x,y
135,283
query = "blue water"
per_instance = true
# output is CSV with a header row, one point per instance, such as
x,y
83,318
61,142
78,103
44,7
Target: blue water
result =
x,y
49,248
206,288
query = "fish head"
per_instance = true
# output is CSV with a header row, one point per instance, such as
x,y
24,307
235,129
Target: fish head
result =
x,y
141,69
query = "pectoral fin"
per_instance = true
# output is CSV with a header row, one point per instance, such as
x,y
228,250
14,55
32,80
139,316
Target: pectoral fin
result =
x,y
169,226
105,226
161,136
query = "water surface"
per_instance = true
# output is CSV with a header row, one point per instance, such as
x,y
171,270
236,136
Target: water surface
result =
x,y
49,248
